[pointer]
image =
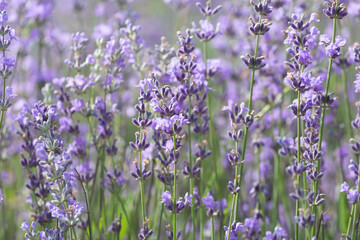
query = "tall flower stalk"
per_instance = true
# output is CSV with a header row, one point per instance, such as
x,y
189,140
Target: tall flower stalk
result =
x,y
302,39
238,117
353,193
261,27
143,121
206,33
336,11
7,34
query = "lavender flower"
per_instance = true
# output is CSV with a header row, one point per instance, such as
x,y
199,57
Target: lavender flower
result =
x,y
278,234
235,228
180,205
332,50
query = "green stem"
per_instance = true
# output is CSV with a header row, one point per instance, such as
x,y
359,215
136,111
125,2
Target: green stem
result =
x,y
354,222
212,228
141,189
235,210
75,232
247,129
233,207
174,190
191,168
322,122
201,206
298,159
231,215
3,93
350,220
160,220
240,174
102,191
86,201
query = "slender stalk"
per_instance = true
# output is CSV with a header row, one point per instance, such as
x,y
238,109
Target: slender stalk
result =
x,y
354,229
298,159
242,163
174,190
102,190
233,208
201,206
322,121
355,206
350,220
141,189
3,93
250,103
160,220
253,72
191,168
231,216
73,229
71,233
86,201
212,228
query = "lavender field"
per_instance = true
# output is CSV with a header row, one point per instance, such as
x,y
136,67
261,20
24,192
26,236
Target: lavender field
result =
x,y
179,119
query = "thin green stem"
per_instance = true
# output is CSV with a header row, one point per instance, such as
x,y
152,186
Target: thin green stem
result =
x,y
71,233
231,215
350,220
212,228
3,94
322,121
86,201
201,210
234,208
141,189
250,103
160,220
73,228
191,168
355,214
240,174
253,74
174,190
102,191
298,159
